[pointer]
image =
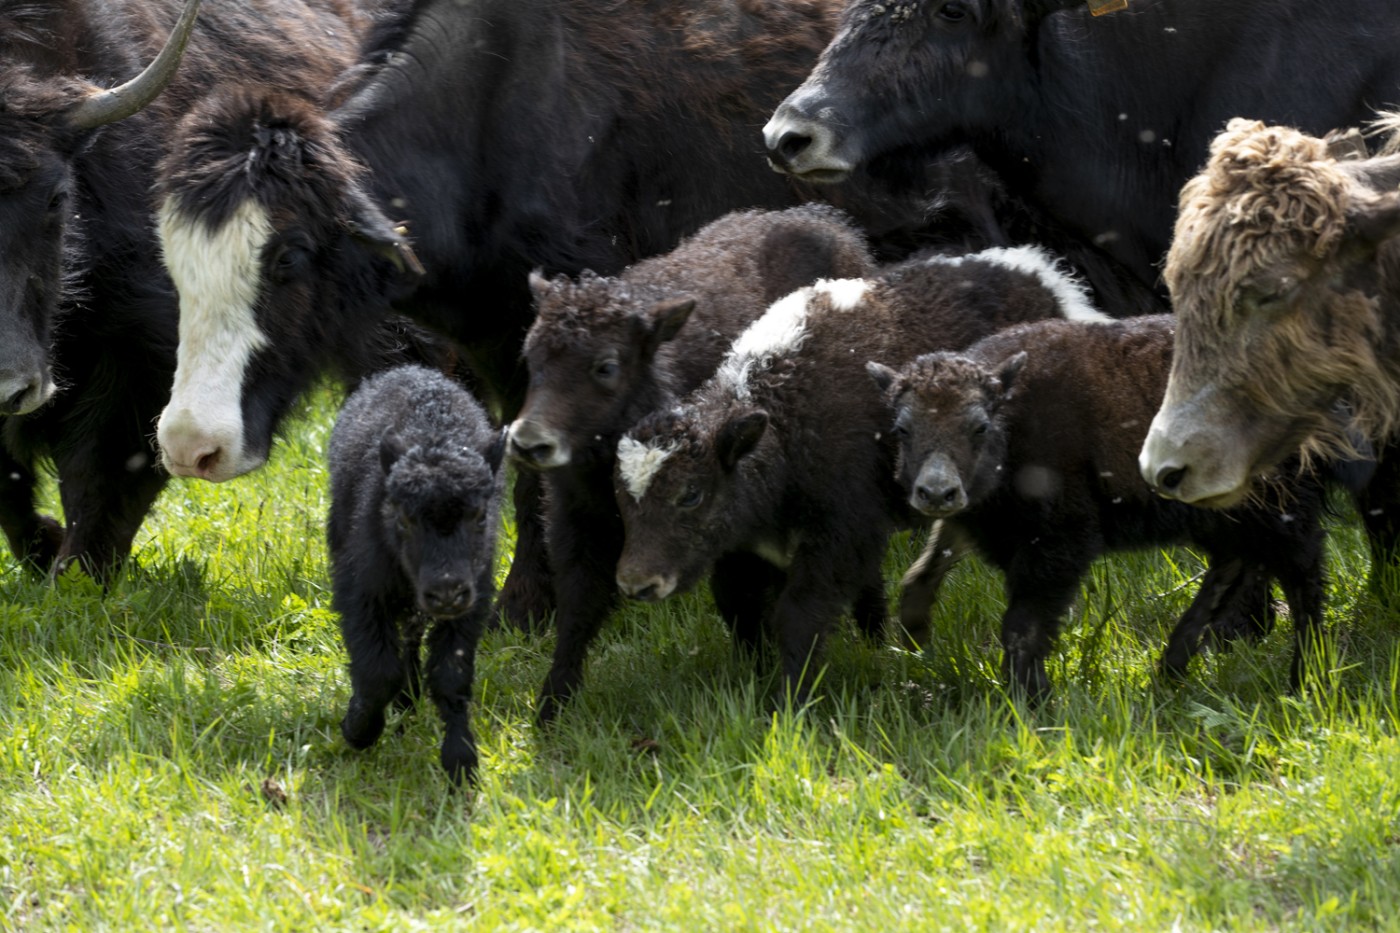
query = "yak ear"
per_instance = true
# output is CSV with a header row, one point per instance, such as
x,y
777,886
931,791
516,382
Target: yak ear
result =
x,y
1372,222
739,436
391,448
1008,371
496,453
669,316
884,376
539,283
368,225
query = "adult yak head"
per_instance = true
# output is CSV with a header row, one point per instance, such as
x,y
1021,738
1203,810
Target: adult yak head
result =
x,y
47,119
930,73
265,228
1286,283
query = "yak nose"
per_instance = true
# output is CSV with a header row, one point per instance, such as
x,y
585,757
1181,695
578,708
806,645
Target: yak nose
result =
x,y
534,445
943,498
787,147
447,596
21,394
647,589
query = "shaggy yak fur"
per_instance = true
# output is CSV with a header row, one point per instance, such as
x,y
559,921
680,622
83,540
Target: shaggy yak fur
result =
x,y
604,352
1285,273
1024,446
783,453
415,491
82,290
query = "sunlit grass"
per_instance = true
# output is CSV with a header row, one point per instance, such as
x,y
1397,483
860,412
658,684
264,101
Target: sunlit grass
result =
x,y
170,756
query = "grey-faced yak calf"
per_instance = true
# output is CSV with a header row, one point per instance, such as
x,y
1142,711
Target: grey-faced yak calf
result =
x,y
784,452
1024,446
603,352
1285,276
415,490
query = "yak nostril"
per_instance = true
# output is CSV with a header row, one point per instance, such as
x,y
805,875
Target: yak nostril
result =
x,y
1169,478
645,594
15,402
951,496
206,463
533,453
791,145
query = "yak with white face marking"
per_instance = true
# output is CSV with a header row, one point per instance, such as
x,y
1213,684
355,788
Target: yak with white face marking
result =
x,y
1285,272
84,303
593,135
605,351
1023,446
1098,121
416,484
784,453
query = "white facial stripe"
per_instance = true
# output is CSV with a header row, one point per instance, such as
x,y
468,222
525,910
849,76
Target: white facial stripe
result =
x,y
218,276
1070,293
639,463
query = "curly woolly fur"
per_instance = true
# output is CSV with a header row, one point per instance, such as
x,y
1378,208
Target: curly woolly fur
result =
x,y
785,452
1023,446
1270,209
415,491
661,326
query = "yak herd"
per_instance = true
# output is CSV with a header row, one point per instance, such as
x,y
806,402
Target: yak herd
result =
x,y
544,235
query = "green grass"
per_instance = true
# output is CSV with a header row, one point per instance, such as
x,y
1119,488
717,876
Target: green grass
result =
x,y
138,729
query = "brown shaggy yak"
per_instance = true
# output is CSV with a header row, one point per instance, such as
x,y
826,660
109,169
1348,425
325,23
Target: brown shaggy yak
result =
x,y
1286,281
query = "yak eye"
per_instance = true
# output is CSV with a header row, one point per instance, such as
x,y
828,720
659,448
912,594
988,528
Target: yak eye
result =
x,y
981,428
290,260
690,498
901,428
606,370
56,200
952,12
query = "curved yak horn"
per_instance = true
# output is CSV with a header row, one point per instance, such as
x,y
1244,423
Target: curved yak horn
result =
x,y
118,103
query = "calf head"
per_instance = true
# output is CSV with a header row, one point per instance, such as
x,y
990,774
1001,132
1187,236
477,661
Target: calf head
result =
x,y
1282,289
270,238
45,124
907,72
683,495
950,428
439,513
591,353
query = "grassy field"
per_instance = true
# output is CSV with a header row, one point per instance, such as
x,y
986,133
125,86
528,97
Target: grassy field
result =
x,y
170,757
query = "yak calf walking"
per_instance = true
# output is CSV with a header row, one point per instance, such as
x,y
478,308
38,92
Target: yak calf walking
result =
x,y
415,490
1025,447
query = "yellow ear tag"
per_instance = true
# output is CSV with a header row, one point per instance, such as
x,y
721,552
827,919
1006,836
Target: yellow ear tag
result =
x,y
1100,7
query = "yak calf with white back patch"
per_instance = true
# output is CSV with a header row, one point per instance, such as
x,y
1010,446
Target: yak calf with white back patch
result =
x,y
605,351
1025,447
415,490
782,454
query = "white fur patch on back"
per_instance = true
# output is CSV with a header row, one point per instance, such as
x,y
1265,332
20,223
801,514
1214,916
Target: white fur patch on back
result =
x,y
1070,293
782,330
639,463
218,275
845,293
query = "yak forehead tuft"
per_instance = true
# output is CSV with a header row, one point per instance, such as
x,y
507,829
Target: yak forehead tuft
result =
x,y
1268,196
1070,293
638,463
575,313
845,294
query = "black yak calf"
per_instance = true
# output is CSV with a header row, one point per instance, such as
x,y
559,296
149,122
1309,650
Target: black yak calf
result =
x,y
1025,447
603,352
415,490
783,454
